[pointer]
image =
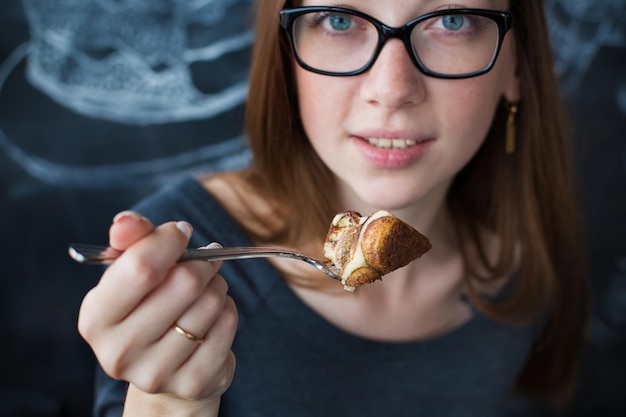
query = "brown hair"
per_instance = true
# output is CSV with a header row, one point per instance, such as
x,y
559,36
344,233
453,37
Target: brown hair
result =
x,y
287,166
527,199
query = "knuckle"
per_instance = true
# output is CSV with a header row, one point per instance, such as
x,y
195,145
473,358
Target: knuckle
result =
x,y
87,321
229,317
143,272
201,383
186,279
150,382
210,300
194,391
194,385
150,378
220,283
114,362
185,287
229,370
225,377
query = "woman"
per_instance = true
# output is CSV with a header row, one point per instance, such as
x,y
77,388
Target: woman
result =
x,y
453,123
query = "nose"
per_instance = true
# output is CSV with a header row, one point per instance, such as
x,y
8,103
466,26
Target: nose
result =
x,y
393,81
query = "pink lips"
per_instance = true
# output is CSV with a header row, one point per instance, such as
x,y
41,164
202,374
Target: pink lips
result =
x,y
391,158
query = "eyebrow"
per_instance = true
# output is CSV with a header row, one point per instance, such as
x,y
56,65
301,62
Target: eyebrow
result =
x,y
482,4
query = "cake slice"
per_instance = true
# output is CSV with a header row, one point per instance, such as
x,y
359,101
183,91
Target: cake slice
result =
x,y
364,248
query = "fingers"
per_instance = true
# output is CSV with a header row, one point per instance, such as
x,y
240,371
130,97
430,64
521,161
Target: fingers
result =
x,y
205,310
191,296
140,269
209,370
128,317
186,368
127,228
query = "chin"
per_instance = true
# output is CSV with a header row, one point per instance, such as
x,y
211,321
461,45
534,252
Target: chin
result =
x,y
392,193
387,199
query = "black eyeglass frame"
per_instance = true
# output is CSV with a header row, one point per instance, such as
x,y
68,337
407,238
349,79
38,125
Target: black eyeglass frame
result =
x,y
503,20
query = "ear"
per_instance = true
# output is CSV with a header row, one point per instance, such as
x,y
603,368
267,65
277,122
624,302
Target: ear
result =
x,y
512,89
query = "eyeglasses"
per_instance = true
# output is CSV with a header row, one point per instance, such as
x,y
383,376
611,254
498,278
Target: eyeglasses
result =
x,y
450,43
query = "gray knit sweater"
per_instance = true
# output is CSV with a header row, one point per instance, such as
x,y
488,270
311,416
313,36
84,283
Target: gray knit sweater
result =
x,y
291,362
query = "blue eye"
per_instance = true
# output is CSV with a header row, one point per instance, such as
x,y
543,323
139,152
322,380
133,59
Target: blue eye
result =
x,y
453,22
339,22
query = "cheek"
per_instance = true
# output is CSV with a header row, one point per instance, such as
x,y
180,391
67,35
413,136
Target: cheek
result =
x,y
471,114
321,107
473,102
465,121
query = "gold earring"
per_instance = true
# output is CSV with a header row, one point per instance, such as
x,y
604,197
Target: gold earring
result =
x,y
511,130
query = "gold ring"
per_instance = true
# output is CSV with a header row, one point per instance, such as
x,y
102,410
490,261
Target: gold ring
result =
x,y
188,335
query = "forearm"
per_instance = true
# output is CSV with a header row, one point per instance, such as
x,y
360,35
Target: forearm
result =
x,y
141,404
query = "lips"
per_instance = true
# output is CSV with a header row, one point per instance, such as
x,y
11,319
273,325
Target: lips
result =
x,y
386,143
389,152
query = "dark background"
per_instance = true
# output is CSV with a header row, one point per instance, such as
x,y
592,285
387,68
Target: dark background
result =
x,y
84,136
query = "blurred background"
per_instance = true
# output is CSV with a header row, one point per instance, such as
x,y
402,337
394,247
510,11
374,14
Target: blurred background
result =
x,y
102,101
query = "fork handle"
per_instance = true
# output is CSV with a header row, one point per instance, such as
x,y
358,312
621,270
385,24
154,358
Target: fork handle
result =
x,y
104,255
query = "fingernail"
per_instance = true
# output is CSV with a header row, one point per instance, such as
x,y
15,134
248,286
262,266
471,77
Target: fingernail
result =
x,y
184,227
126,214
212,245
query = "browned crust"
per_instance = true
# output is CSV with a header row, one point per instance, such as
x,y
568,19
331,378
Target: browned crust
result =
x,y
362,276
389,243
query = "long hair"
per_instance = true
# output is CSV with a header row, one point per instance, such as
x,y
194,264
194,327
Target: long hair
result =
x,y
285,165
527,199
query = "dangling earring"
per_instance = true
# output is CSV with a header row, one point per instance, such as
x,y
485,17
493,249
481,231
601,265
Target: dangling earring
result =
x,y
511,129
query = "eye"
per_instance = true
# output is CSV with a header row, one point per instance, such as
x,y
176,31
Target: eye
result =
x,y
452,22
342,25
339,22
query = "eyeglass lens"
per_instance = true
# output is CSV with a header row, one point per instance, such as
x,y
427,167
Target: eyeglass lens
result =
x,y
453,44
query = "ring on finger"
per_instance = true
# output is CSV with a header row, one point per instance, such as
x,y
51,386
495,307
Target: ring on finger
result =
x,y
187,334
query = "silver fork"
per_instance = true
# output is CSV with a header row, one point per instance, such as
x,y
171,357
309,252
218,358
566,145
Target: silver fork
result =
x,y
103,255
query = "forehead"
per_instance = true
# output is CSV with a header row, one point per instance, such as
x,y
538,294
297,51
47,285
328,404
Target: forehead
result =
x,y
398,12
427,5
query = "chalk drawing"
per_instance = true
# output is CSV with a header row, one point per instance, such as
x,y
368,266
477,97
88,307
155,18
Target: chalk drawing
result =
x,y
578,29
129,62
228,154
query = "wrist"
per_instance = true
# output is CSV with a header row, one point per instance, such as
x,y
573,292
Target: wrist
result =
x,y
140,403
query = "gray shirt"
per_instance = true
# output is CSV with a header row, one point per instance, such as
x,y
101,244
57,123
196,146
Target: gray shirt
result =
x,y
292,362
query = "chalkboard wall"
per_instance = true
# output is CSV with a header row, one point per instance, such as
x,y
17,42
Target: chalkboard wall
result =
x,y
102,101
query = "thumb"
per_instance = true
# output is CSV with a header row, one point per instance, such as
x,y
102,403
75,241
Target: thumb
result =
x,y
128,227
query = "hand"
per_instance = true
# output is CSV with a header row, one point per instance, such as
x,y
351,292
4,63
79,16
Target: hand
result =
x,y
128,317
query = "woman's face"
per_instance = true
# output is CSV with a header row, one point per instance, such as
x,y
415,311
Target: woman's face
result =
x,y
438,124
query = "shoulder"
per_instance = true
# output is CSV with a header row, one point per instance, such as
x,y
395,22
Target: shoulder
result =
x,y
243,198
182,199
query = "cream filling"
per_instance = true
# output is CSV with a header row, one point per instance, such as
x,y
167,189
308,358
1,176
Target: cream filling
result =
x,y
385,143
341,222
358,260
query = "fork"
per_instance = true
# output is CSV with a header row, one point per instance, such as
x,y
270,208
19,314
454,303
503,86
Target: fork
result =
x,y
103,255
